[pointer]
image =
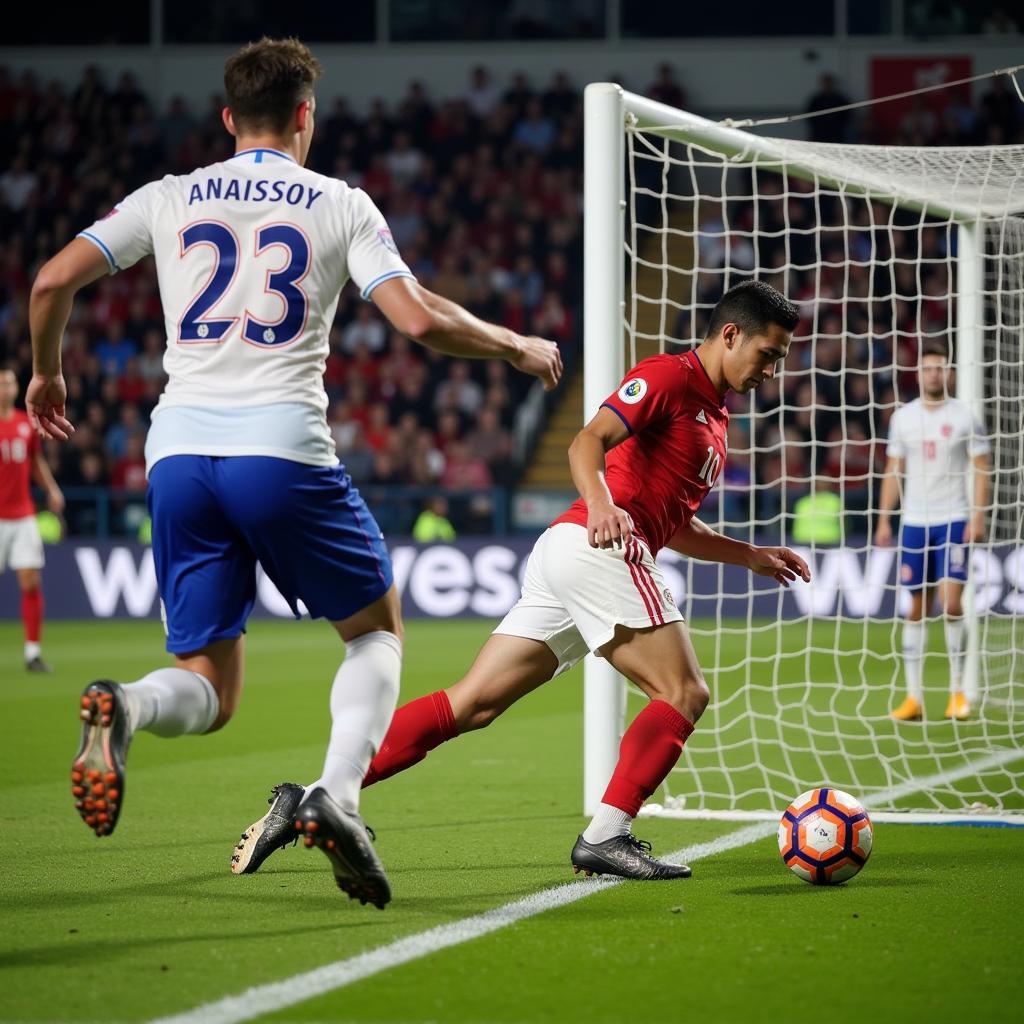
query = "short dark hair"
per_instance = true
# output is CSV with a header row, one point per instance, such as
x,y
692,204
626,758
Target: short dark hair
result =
x,y
266,81
935,348
752,306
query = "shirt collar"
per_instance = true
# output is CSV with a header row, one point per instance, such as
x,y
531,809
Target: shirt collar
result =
x,y
259,151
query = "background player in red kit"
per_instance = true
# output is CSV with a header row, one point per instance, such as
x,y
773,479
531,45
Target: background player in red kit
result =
x,y
21,459
643,465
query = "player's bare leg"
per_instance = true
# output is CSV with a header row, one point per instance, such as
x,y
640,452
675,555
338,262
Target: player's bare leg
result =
x,y
198,695
363,701
30,584
915,634
507,668
951,594
661,661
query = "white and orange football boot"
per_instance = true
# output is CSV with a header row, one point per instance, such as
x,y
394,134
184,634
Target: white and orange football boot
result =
x,y
909,711
959,707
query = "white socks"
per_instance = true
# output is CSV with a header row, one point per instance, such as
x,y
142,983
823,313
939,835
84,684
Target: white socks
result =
x,y
363,699
32,650
607,822
171,702
955,648
913,656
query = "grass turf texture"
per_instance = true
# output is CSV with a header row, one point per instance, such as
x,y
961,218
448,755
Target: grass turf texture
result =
x,y
151,922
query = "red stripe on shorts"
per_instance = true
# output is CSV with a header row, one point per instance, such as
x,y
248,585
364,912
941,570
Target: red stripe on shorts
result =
x,y
647,575
632,550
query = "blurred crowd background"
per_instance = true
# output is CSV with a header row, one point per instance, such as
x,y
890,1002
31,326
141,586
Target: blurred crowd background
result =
x,y
483,194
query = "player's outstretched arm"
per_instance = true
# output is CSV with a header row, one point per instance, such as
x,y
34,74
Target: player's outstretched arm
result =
x,y
697,540
607,524
79,263
443,325
887,501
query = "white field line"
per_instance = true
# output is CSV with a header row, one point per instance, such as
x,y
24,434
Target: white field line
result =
x,y
947,817
277,995
263,999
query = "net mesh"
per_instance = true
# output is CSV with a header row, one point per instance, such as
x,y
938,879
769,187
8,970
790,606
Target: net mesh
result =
x,y
861,238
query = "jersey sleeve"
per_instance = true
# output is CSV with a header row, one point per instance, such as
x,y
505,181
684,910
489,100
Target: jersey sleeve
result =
x,y
977,442
125,235
373,257
648,394
896,448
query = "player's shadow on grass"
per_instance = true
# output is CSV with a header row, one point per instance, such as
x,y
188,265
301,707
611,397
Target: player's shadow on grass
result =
x,y
789,889
183,889
72,950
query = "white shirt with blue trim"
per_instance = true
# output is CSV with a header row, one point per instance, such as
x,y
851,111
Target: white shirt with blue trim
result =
x,y
938,443
251,256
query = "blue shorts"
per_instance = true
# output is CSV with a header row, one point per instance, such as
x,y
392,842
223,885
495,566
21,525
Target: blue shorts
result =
x,y
932,553
214,518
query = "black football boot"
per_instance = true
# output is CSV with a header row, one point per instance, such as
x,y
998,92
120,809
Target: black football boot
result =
x,y
625,856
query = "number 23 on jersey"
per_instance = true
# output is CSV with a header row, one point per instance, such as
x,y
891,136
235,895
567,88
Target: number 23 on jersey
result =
x,y
198,326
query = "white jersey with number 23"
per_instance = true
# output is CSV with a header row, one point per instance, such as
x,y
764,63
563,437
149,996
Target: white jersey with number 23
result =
x,y
251,255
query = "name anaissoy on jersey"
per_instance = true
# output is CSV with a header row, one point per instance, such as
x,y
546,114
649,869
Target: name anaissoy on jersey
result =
x,y
255,190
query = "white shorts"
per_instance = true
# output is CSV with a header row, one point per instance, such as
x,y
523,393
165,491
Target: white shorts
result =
x,y
21,547
575,595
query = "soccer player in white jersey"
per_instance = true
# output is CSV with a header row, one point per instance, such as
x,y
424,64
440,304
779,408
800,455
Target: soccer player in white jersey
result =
x,y
251,255
939,453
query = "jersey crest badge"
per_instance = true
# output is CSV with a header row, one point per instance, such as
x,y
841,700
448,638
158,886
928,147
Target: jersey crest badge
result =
x,y
947,430
385,239
701,418
633,390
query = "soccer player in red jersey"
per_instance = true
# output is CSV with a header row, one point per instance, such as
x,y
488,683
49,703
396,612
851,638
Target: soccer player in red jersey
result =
x,y
642,465
21,459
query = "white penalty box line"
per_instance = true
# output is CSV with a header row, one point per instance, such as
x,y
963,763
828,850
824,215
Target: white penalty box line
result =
x,y
300,988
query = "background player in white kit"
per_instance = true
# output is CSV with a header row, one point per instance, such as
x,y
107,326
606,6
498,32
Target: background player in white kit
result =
x,y
251,255
939,450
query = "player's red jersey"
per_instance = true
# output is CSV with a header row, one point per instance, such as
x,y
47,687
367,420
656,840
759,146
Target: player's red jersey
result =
x,y
676,449
19,446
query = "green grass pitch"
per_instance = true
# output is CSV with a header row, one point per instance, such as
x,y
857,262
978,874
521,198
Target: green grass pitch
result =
x,y
150,922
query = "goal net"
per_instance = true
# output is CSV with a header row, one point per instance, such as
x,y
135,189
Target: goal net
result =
x,y
884,250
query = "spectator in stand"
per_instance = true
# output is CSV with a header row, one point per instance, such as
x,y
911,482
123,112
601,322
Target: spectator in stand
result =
x,y
404,162
378,428
129,425
449,430
366,330
432,524
151,360
492,442
828,127
115,350
483,96
665,89
459,392
428,462
553,319
129,471
17,184
534,130
464,470
131,385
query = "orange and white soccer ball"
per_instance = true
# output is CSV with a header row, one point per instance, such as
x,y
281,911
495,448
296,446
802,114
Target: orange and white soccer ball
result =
x,y
825,836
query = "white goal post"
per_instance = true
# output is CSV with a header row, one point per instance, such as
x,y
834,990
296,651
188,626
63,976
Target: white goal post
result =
x,y
674,213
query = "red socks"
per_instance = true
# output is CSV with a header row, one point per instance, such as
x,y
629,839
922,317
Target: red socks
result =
x,y
648,752
416,729
32,614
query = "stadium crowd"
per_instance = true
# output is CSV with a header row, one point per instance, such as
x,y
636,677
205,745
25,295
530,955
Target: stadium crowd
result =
x,y
483,196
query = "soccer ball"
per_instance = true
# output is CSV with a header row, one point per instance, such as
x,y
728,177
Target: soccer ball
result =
x,y
825,836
